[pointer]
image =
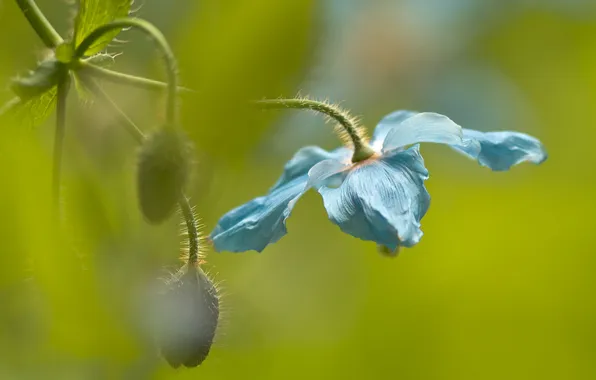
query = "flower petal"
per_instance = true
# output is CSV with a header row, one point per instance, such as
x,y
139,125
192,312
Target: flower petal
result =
x,y
261,221
382,200
305,159
385,125
423,127
320,174
501,150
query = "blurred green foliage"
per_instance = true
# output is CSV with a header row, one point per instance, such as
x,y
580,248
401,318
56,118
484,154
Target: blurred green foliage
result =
x,y
256,49
501,286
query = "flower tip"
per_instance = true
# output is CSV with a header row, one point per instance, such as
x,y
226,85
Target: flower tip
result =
x,y
543,156
388,252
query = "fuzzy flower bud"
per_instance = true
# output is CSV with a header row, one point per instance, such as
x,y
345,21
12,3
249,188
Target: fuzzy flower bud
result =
x,y
189,314
163,170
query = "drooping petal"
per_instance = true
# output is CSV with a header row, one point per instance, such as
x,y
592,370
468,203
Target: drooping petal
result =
x,y
261,221
501,150
306,158
321,173
423,127
385,125
382,200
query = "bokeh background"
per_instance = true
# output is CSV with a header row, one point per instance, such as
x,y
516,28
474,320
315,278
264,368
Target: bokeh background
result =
x,y
501,286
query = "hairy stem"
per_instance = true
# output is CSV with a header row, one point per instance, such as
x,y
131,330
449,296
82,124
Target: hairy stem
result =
x,y
40,23
137,134
62,94
161,42
126,79
192,229
362,150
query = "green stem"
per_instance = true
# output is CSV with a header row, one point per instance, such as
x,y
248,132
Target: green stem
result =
x,y
125,79
192,229
40,23
137,134
156,35
62,94
362,150
130,126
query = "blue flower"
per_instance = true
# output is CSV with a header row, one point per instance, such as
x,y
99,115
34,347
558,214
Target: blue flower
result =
x,y
382,198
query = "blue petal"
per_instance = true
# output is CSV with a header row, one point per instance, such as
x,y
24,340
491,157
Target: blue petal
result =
x,y
501,150
423,127
261,221
385,125
383,200
305,159
321,173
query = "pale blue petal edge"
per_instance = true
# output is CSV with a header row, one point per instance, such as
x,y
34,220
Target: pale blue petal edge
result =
x,y
262,221
501,150
423,127
386,124
321,173
383,200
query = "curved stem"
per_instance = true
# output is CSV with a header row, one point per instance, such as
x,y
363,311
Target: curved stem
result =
x,y
192,229
156,35
40,23
62,94
125,79
139,136
362,150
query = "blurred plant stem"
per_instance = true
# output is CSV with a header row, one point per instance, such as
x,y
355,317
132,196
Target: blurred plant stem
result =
x,y
52,39
161,42
40,23
63,87
126,122
126,79
139,136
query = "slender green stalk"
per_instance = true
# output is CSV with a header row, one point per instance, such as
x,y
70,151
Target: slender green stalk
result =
x,y
156,35
130,126
192,229
137,134
40,23
362,150
125,79
62,94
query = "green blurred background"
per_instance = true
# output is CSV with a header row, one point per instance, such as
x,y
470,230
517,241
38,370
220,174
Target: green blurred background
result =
x,y
501,286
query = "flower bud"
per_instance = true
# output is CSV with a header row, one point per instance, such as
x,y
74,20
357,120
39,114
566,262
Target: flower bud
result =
x,y
163,170
189,315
